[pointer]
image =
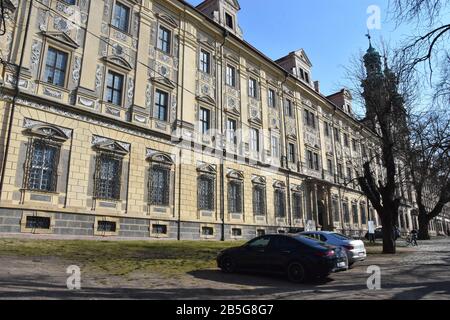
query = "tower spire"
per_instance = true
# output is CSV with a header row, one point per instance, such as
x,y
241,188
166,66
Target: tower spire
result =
x,y
369,37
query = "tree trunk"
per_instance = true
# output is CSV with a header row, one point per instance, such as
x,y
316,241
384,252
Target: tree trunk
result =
x,y
389,245
423,227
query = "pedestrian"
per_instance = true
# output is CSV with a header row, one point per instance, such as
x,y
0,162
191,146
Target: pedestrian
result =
x,y
414,234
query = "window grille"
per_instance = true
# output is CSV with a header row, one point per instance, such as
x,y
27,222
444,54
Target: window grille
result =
x,y
297,206
159,185
259,200
42,166
108,176
280,203
206,192
235,197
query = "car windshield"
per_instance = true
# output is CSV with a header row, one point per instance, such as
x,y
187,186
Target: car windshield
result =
x,y
341,236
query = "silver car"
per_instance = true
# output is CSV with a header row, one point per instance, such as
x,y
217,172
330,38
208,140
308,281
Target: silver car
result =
x,y
355,248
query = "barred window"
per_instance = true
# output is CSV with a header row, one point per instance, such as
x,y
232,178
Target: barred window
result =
x,y
34,222
297,205
346,212
159,185
280,204
206,192
259,200
355,213
235,197
42,166
335,204
106,226
363,213
108,176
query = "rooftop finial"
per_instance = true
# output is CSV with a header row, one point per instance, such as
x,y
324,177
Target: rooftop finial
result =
x,y
370,38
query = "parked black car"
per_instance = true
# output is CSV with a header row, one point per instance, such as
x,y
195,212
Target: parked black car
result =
x,y
379,233
299,257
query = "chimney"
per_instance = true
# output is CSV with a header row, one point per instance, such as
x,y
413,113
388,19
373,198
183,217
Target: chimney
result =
x,y
317,86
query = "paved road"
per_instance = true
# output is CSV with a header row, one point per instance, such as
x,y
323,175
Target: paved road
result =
x,y
424,274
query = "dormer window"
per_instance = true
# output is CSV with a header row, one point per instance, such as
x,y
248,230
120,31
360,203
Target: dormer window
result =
x,y
306,77
229,20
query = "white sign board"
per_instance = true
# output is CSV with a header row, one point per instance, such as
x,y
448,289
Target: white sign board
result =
x,y
310,225
371,227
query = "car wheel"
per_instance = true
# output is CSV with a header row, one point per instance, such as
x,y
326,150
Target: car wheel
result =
x,y
296,272
227,265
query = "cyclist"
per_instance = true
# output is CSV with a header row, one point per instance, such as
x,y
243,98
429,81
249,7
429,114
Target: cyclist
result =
x,y
414,234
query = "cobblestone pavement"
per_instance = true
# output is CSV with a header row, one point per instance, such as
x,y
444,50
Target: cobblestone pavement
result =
x,y
423,274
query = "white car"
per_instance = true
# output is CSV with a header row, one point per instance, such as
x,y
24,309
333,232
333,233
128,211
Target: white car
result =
x,y
355,248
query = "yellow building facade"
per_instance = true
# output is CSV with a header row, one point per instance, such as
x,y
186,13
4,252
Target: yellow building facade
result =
x,y
155,119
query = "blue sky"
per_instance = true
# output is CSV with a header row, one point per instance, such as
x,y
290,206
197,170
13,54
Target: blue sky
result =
x,y
330,31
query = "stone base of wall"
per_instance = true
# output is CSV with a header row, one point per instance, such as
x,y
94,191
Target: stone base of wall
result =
x,y
85,225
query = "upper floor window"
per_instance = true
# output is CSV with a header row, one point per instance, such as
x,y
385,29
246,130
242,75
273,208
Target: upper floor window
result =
x,y
159,185
316,161
43,164
114,88
254,139
108,177
354,144
288,106
330,166
346,141
205,61
164,39
259,200
337,137
121,17
327,129
310,119
70,2
205,120
231,131
206,193
235,197
55,67
275,141
252,88
340,172
272,101
231,76
310,158
229,20
291,151
161,105
349,174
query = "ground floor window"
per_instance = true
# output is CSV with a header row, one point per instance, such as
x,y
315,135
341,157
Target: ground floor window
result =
x,y
280,203
297,206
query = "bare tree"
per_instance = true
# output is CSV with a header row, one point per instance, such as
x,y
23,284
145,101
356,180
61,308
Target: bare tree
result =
x,y
428,157
429,48
386,96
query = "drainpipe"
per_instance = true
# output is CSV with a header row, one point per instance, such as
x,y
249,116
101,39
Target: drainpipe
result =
x,y
16,94
224,151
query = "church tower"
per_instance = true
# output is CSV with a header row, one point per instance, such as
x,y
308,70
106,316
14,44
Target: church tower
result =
x,y
373,84
224,12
